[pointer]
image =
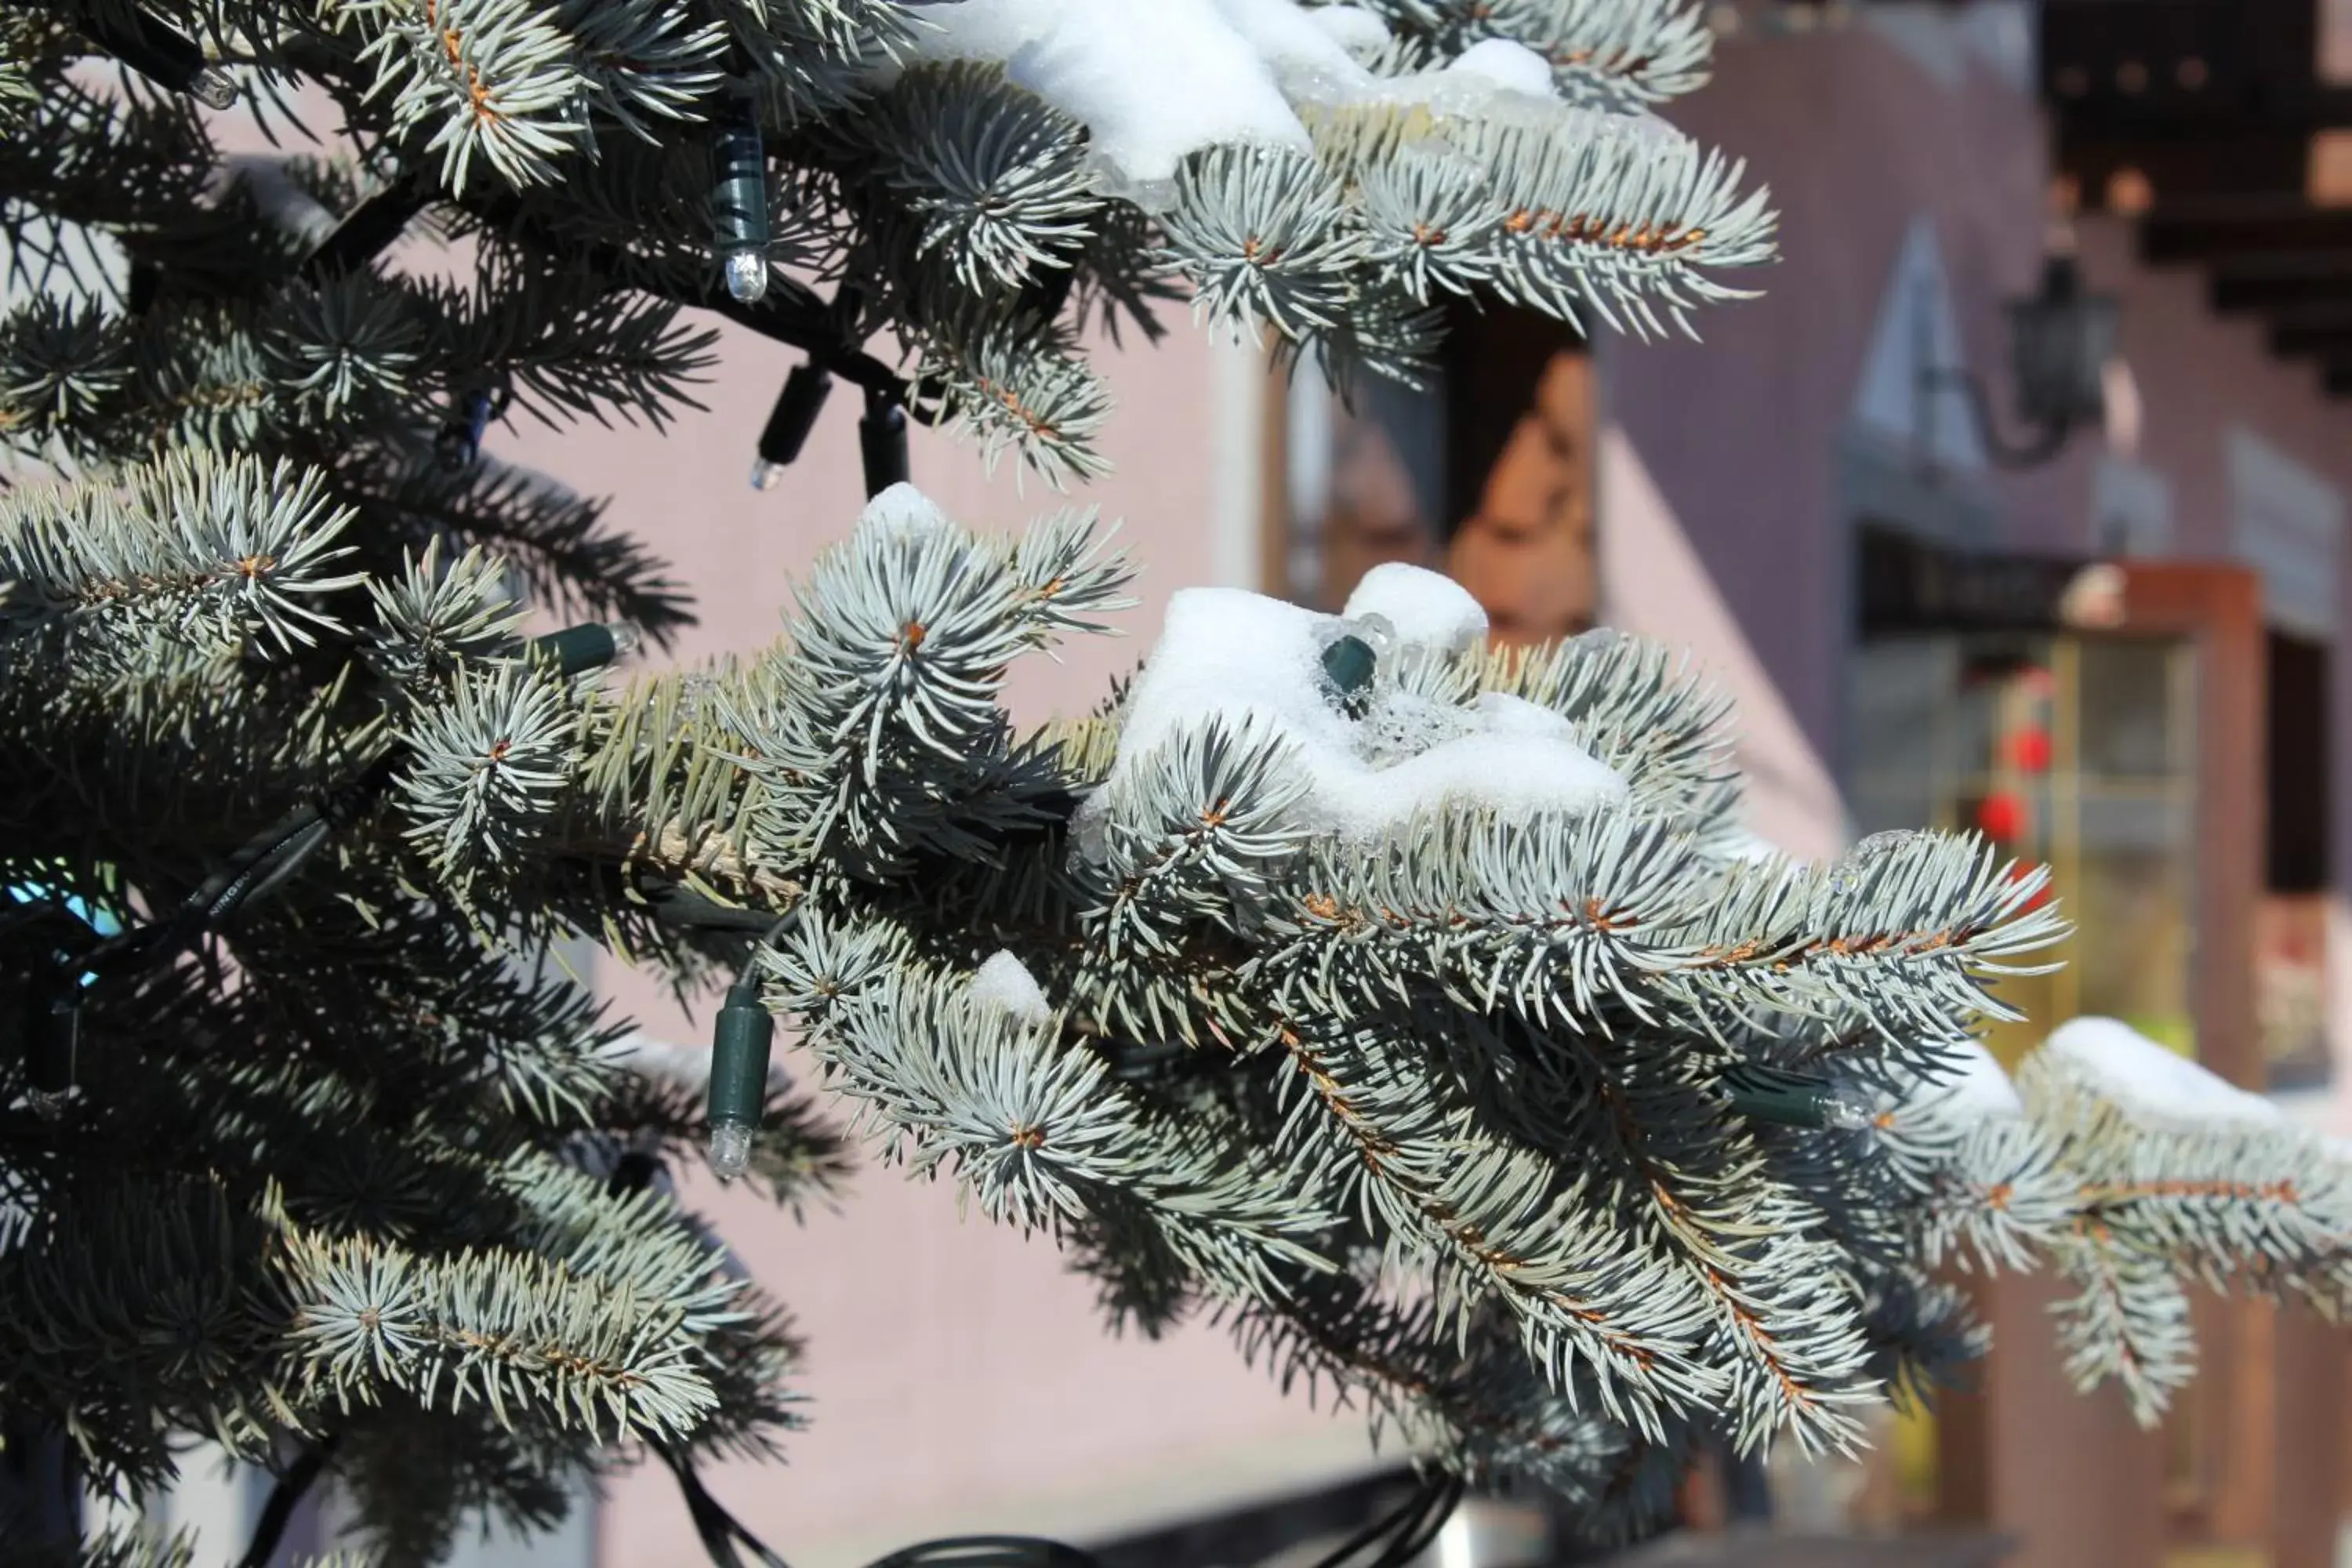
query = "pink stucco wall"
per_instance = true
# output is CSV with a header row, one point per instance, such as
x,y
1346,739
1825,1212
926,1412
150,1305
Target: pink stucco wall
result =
x,y
958,1378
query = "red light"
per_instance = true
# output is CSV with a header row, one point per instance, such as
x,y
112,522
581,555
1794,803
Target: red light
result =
x,y
2001,817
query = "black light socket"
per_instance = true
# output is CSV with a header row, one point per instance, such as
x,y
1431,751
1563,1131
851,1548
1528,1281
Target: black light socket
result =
x,y
794,415
882,443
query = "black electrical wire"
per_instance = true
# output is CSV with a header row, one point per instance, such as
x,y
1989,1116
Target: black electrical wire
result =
x,y
720,1529
988,1552
368,228
722,1533
292,1485
1408,1529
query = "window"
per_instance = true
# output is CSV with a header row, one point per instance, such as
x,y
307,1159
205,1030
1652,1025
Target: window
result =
x,y
2291,922
1487,475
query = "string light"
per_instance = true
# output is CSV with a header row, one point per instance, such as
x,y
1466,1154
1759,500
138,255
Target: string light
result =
x,y
1348,664
742,1039
51,1025
459,443
161,53
576,650
740,1043
790,423
882,442
1352,662
739,201
1792,1099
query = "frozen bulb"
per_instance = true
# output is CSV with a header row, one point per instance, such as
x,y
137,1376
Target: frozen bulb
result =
x,y
731,1149
1844,1111
211,88
747,275
765,475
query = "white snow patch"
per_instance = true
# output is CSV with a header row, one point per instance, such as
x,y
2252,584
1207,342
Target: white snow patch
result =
x,y
1505,714
1150,83
1354,28
1980,1090
1513,67
1155,82
903,512
1747,849
1255,664
1003,981
2126,1067
1420,606
1307,59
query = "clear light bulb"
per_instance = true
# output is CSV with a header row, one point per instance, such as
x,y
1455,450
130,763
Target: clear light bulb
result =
x,y
211,88
1090,830
731,1149
765,475
627,637
747,275
1376,629
1843,1111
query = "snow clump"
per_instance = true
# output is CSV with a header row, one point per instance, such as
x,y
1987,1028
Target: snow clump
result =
x,y
1255,666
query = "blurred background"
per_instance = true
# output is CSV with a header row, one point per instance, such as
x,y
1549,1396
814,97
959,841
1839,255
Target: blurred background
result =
x,y
2016,502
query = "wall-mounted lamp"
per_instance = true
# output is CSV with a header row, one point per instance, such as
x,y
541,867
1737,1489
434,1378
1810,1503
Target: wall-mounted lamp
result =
x,y
2060,339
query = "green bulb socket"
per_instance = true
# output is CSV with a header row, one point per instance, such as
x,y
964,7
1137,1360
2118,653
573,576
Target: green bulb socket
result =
x,y
52,1039
576,650
740,1045
1349,663
1789,1099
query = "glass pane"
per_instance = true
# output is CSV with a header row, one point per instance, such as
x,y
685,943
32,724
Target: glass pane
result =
x,y
2071,753
1896,693
2125,707
2129,902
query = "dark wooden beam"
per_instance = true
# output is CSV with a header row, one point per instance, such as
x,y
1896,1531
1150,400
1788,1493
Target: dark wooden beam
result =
x,y
2317,316
2296,108
2218,61
2314,280
2328,342
2221,231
